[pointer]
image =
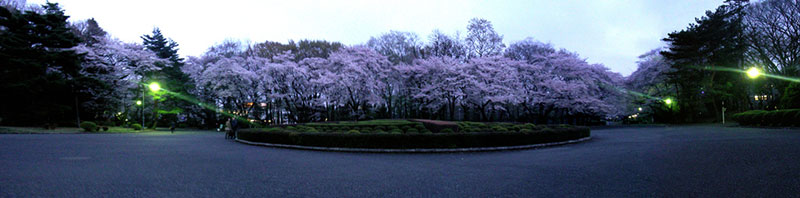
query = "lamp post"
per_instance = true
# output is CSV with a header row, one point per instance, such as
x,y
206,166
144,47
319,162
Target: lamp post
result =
x,y
154,87
753,73
141,110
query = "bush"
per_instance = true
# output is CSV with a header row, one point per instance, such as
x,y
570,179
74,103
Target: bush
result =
x,y
412,130
787,117
306,129
396,131
136,127
353,132
529,126
88,126
270,130
448,130
499,129
105,128
396,140
526,131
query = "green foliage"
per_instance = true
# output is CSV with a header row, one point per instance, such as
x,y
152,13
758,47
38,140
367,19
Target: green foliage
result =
x,y
791,96
395,131
272,129
447,131
39,69
136,127
88,126
526,130
398,140
307,129
499,128
530,126
353,131
786,117
412,130
697,54
170,75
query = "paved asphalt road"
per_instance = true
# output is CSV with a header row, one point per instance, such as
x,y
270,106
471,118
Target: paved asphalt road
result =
x,y
685,161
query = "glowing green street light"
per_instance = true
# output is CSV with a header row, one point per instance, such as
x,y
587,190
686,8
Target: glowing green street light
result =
x,y
753,73
640,109
668,101
154,86
139,102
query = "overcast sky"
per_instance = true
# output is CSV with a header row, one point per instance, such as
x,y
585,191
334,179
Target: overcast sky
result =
x,y
611,32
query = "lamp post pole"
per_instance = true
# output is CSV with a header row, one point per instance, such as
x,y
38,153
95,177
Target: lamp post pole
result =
x,y
142,106
723,112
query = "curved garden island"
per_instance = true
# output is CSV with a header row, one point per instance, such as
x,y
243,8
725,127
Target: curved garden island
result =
x,y
414,135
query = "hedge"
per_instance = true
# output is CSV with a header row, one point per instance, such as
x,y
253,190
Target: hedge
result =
x,y
394,140
788,117
136,127
88,126
368,126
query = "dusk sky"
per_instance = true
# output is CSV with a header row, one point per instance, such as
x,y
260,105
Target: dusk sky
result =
x,y
612,32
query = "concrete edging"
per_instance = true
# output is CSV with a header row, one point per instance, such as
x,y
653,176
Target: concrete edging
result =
x,y
421,150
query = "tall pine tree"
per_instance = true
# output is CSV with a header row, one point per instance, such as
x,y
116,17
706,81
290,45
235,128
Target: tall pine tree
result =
x,y
171,77
700,55
39,68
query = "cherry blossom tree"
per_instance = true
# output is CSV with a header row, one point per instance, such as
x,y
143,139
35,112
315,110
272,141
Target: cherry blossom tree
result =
x,y
357,77
482,40
113,69
490,82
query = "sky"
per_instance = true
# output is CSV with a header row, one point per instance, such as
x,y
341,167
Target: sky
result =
x,y
610,32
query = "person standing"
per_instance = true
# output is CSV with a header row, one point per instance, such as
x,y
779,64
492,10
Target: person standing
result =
x,y
235,128
172,127
228,129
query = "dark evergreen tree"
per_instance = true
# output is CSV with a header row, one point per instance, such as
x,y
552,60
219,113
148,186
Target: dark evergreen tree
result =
x,y
700,55
88,31
39,69
170,77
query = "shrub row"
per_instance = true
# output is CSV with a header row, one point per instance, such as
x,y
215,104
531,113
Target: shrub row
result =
x,y
788,117
371,126
501,127
92,127
402,141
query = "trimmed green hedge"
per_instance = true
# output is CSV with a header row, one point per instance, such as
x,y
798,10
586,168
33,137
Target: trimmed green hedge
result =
x,y
368,126
395,140
136,127
788,117
500,127
88,126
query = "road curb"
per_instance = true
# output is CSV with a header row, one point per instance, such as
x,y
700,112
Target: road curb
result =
x,y
429,150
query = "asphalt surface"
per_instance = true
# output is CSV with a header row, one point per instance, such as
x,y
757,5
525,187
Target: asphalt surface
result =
x,y
685,161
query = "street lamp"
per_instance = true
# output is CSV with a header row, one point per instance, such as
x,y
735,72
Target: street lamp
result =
x,y
753,73
139,102
668,101
154,86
